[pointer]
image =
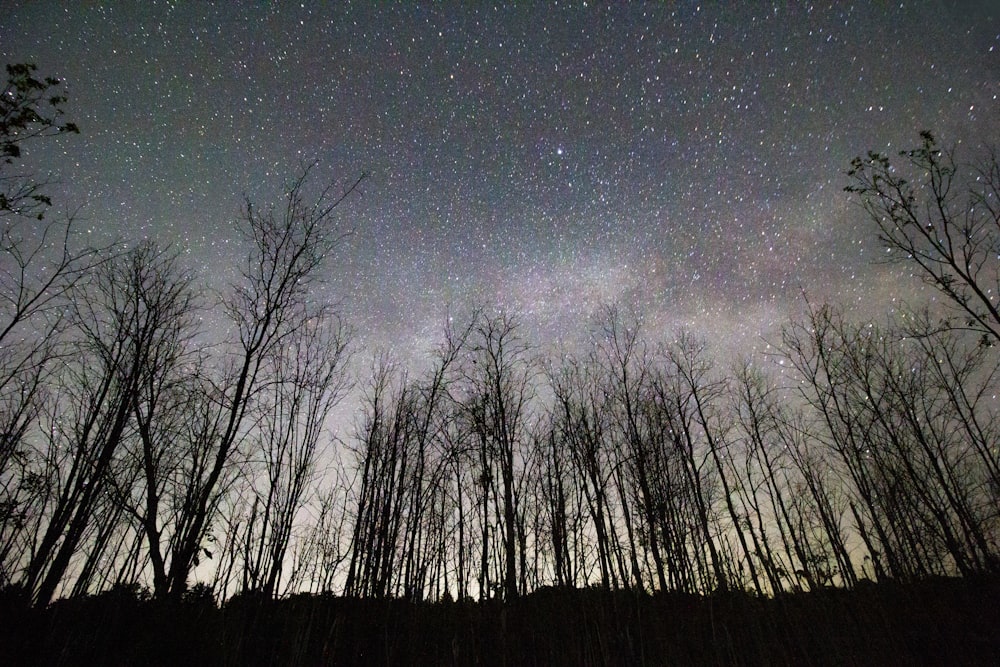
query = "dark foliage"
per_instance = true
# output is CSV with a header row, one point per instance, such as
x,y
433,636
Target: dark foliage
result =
x,y
941,621
30,108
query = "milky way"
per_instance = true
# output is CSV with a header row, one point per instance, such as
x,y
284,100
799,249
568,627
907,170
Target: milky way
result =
x,y
685,162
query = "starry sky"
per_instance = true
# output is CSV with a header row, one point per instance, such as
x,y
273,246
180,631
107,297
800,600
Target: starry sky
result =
x,y
682,160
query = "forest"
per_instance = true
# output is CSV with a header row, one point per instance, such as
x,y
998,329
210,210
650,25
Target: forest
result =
x,y
633,501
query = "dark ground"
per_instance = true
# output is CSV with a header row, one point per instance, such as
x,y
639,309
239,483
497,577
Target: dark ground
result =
x,y
941,622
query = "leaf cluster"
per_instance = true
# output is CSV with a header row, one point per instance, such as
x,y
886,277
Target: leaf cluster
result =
x,y
31,107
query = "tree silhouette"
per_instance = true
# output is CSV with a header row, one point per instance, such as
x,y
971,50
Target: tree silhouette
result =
x,y
128,328
945,224
40,270
287,250
30,108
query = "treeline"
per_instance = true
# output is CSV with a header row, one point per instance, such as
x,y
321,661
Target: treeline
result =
x,y
644,466
137,450
936,622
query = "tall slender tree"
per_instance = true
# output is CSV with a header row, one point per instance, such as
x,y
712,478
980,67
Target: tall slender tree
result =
x,y
287,251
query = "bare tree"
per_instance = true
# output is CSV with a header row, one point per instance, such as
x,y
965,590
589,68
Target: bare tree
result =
x,y
785,470
621,357
384,466
579,428
320,552
946,224
896,411
39,266
560,495
410,460
288,249
681,393
307,380
499,378
136,308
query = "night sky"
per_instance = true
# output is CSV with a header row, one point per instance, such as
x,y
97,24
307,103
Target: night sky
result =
x,y
683,161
